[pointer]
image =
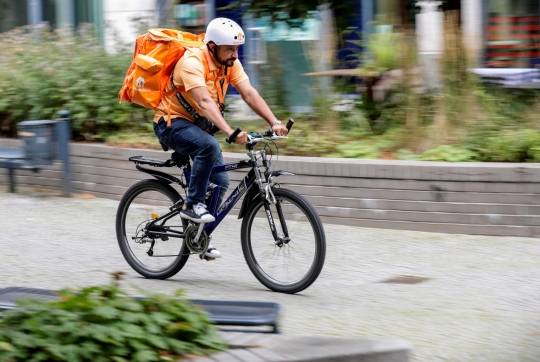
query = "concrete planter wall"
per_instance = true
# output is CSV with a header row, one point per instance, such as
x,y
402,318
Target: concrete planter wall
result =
x,y
466,198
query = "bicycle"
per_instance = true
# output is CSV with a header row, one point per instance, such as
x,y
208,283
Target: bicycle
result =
x,y
273,249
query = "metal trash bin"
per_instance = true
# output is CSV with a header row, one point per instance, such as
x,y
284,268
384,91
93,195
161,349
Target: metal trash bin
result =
x,y
39,139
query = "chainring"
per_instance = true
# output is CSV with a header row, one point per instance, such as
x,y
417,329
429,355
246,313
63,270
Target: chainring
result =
x,y
202,245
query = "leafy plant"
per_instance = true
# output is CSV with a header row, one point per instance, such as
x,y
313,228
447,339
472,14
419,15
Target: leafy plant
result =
x,y
365,149
45,72
406,155
102,323
449,153
383,52
533,152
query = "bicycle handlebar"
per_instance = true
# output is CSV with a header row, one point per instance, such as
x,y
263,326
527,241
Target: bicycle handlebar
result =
x,y
290,124
232,137
256,136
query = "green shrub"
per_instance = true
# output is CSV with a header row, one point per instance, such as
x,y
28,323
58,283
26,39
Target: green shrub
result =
x,y
384,51
104,324
44,72
533,152
406,155
507,146
504,145
449,154
359,149
364,149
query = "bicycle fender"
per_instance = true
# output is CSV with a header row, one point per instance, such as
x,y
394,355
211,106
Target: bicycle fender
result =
x,y
282,173
251,194
160,176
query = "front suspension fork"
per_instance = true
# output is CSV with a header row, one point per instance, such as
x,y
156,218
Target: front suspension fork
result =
x,y
279,241
268,196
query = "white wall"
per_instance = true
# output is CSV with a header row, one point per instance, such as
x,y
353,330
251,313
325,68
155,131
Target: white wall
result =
x,y
118,15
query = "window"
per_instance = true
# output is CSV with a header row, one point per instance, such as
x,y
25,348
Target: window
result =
x,y
512,32
13,13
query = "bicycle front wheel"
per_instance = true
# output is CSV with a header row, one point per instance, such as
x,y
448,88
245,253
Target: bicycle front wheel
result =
x,y
293,263
155,258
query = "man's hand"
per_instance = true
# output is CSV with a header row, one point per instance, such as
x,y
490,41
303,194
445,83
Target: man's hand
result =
x,y
241,139
280,129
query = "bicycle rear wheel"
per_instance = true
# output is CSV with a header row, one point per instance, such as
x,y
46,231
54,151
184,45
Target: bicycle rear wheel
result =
x,y
295,264
152,258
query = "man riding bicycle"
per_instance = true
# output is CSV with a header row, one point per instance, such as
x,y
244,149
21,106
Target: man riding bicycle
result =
x,y
202,76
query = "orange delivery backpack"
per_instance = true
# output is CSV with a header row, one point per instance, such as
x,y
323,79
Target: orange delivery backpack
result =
x,y
154,58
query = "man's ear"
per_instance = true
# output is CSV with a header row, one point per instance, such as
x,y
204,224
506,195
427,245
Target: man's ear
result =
x,y
211,46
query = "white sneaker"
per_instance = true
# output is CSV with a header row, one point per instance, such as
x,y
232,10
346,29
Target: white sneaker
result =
x,y
197,213
211,253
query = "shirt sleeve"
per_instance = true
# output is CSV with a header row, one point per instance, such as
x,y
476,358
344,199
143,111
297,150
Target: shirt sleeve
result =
x,y
238,75
192,73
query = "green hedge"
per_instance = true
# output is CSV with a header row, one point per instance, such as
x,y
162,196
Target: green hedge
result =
x,y
42,72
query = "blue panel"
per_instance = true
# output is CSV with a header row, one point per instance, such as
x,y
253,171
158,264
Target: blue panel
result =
x,y
367,15
235,15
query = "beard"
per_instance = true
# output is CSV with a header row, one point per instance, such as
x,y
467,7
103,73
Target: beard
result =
x,y
230,62
227,62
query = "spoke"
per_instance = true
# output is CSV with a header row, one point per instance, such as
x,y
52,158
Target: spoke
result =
x,y
139,215
292,261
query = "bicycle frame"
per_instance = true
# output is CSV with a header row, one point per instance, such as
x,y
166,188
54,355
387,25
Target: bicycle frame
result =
x,y
254,176
233,198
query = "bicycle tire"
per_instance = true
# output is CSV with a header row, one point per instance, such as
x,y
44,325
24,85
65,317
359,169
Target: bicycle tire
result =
x,y
123,235
255,263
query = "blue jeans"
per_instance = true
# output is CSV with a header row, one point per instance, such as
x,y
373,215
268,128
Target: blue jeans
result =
x,y
186,138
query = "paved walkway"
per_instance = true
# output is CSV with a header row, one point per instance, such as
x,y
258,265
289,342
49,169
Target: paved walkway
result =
x,y
480,303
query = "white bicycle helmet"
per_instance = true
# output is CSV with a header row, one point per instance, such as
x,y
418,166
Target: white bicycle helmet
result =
x,y
223,31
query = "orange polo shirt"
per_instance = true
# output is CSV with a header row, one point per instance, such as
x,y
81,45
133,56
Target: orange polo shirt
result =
x,y
196,69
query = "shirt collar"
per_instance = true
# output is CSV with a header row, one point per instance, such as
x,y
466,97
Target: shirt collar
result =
x,y
209,59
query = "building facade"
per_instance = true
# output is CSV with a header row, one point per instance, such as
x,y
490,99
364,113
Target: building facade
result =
x,y
504,33
501,33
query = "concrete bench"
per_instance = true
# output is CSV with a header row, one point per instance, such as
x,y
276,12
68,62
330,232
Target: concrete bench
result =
x,y
225,314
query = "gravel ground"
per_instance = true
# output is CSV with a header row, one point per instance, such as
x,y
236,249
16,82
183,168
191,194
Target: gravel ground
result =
x,y
480,300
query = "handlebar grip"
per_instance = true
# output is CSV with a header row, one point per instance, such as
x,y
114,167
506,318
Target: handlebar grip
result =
x,y
290,124
232,137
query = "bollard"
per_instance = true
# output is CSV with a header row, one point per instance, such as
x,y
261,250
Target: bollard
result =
x,y
64,136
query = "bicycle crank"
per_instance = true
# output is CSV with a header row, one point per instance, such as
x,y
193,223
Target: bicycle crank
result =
x,y
196,238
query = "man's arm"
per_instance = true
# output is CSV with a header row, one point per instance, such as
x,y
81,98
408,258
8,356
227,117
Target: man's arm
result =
x,y
258,105
211,111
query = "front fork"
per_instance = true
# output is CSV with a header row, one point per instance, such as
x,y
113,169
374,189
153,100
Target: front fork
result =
x,y
268,198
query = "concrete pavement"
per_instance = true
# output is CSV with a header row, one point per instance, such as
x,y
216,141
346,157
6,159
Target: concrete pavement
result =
x,y
480,300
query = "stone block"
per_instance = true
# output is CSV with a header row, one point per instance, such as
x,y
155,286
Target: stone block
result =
x,y
371,171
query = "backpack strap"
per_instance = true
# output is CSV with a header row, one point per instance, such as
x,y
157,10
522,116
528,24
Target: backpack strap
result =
x,y
185,103
221,96
167,94
189,108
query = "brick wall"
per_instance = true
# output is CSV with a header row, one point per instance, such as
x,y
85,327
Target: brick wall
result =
x,y
464,198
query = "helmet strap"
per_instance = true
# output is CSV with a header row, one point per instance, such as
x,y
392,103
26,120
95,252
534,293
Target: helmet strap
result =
x,y
215,55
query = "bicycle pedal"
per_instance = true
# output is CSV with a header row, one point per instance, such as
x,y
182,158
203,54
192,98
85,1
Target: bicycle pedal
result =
x,y
207,258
